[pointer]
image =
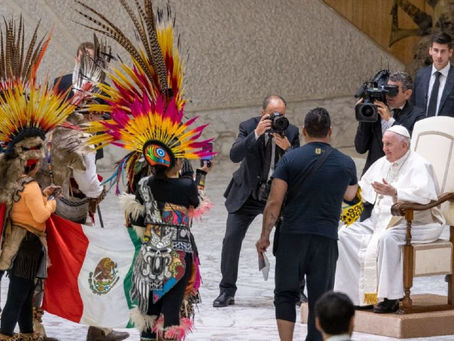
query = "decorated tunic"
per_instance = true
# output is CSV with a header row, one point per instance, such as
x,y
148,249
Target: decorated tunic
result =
x,y
166,240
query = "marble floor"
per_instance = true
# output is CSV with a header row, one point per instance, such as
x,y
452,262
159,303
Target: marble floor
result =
x,y
252,317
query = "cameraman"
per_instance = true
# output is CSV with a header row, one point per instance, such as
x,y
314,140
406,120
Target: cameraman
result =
x,y
398,110
258,147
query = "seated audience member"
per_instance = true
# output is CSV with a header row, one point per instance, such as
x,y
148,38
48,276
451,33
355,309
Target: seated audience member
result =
x,y
334,316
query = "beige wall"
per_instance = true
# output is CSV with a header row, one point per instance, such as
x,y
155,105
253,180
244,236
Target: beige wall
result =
x,y
237,52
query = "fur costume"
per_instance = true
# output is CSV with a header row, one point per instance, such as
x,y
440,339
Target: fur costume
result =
x,y
66,147
28,111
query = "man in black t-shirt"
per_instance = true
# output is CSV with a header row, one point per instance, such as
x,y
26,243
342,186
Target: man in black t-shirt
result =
x,y
308,235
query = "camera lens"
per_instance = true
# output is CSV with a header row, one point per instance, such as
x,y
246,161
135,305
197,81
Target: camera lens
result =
x,y
280,124
367,111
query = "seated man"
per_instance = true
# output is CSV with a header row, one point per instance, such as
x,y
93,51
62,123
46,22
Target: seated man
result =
x,y
334,316
370,255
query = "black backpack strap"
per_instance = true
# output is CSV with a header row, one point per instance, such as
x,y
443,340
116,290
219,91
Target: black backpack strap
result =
x,y
315,166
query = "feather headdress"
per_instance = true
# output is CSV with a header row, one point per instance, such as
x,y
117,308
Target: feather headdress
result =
x,y
146,99
152,129
17,61
27,110
157,67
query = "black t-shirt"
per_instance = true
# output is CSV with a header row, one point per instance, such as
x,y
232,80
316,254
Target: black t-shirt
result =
x,y
315,207
179,191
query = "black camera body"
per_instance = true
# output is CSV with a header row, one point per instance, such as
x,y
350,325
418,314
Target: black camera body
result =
x,y
370,91
279,123
263,191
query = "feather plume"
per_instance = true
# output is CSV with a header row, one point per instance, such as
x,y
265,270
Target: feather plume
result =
x,y
149,56
16,64
108,28
146,99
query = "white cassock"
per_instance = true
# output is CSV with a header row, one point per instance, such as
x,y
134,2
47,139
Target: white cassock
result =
x,y
369,267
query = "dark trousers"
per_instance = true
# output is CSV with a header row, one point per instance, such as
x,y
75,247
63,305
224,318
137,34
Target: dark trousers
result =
x,y
170,304
18,307
237,226
300,255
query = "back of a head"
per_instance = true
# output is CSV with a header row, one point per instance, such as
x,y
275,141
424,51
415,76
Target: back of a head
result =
x,y
334,311
442,38
317,123
86,45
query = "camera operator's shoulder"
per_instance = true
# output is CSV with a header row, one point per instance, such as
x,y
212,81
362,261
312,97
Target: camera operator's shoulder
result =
x,y
250,124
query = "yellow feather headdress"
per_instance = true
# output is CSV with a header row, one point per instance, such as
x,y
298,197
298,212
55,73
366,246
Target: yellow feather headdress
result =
x,y
146,100
26,109
157,67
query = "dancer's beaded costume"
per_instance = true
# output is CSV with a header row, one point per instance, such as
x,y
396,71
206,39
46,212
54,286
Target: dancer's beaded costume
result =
x,y
146,105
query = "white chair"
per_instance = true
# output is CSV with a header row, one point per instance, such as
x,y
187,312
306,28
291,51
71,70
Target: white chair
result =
x,y
433,138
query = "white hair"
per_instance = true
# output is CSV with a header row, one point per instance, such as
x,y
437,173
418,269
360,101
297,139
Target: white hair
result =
x,y
404,139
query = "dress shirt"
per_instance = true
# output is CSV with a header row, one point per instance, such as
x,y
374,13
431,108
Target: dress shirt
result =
x,y
87,180
273,152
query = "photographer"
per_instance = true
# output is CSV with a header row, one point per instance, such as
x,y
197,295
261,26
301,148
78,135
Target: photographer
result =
x,y
260,144
396,110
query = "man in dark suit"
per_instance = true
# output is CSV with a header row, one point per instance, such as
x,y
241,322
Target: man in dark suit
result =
x,y
434,84
398,110
258,150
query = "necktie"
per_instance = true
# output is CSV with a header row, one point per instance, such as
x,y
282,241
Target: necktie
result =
x,y
396,113
267,161
432,109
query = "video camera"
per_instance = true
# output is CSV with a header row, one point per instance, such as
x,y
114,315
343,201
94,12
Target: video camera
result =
x,y
278,123
370,91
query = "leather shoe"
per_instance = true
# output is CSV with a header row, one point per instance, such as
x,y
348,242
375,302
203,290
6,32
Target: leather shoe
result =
x,y
363,307
386,307
98,334
223,300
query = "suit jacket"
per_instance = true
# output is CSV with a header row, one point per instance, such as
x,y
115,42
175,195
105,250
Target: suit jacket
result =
x,y
65,83
420,96
251,153
369,135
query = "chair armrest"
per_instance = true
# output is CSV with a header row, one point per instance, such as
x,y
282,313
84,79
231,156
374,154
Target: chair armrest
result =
x,y
400,207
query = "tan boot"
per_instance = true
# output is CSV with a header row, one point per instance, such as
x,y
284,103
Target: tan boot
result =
x,y
30,337
15,337
102,334
38,326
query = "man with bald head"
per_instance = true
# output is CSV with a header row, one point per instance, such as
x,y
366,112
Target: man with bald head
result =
x,y
369,267
259,146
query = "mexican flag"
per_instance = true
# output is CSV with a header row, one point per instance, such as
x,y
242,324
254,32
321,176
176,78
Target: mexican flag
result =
x,y
90,273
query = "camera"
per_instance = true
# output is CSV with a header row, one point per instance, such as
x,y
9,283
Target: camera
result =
x,y
262,191
278,123
370,91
